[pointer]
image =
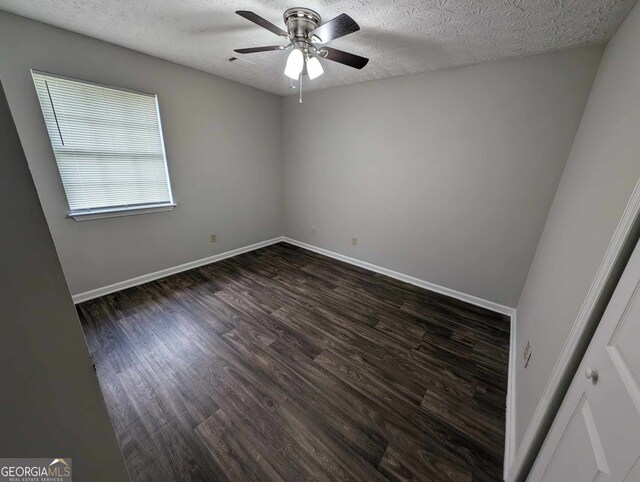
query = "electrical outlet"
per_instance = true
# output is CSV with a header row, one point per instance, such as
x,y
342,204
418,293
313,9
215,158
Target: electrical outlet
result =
x,y
354,240
313,230
214,238
527,354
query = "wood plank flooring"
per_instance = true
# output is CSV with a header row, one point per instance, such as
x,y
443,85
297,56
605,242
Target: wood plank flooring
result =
x,y
281,364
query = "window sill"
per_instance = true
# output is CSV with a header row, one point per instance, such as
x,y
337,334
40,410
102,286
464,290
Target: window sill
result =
x,y
117,212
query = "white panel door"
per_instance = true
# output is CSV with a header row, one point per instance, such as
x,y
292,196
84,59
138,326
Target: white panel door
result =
x,y
596,433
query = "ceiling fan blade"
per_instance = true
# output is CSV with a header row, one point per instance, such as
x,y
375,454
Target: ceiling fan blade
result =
x,y
352,60
253,50
337,27
258,20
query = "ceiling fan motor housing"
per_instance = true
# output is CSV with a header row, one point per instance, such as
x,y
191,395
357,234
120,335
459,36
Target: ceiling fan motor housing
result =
x,y
301,22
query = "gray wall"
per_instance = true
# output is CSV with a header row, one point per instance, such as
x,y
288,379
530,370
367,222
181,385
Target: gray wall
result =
x,y
51,405
223,148
600,174
446,176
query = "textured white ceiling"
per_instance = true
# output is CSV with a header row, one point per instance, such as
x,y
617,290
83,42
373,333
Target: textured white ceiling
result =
x,y
399,36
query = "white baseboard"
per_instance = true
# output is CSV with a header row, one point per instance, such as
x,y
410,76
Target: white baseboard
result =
x,y
121,285
510,413
130,283
474,300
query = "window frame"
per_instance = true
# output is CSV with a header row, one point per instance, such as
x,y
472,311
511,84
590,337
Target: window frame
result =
x,y
111,211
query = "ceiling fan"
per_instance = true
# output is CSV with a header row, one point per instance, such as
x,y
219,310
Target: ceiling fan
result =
x,y
307,37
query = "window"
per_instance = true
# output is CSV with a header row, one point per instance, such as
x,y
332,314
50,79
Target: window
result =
x,y
108,146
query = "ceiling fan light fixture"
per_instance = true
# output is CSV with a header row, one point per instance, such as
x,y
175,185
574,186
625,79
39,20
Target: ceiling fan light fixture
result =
x,y
314,68
308,36
295,64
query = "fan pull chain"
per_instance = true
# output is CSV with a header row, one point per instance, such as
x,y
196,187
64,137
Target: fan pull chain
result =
x,y
300,99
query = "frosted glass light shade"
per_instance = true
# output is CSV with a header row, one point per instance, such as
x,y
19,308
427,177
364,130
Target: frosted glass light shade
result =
x,y
295,63
314,68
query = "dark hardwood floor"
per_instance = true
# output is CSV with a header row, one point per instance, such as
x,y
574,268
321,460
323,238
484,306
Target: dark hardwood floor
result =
x,y
281,364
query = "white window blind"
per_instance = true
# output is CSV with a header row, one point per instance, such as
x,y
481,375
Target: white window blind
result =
x,y
107,143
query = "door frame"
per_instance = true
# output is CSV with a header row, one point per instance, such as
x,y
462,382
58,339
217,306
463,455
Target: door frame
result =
x,y
518,462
